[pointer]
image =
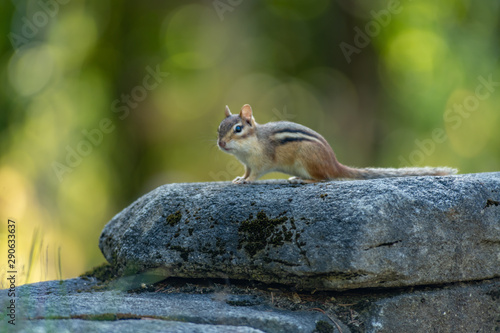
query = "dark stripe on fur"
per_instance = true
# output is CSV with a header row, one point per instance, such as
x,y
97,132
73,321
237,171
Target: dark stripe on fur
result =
x,y
286,140
297,131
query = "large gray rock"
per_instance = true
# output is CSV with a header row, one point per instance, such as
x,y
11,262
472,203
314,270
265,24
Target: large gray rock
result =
x,y
124,326
72,306
335,235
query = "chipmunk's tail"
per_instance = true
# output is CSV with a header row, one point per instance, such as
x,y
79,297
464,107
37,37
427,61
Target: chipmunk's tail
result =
x,y
373,173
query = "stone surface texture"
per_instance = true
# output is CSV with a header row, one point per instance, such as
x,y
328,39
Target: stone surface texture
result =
x,y
474,308
339,235
72,306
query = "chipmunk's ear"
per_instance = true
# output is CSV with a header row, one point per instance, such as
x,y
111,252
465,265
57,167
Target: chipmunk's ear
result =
x,y
227,112
246,113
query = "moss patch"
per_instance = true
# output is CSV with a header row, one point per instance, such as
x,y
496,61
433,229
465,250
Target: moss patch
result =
x,y
98,317
174,218
104,273
104,317
257,233
490,203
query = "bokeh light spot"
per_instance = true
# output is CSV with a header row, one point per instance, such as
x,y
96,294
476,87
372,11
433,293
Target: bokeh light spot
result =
x,y
30,69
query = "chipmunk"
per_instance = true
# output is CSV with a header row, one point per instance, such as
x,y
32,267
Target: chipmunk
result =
x,y
294,149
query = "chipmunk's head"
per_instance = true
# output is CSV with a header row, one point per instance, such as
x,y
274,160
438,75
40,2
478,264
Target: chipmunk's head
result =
x,y
236,131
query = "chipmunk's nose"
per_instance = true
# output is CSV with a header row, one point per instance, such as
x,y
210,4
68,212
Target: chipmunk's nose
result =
x,y
222,144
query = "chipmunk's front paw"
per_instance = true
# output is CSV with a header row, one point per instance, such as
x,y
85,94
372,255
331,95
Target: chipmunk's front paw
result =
x,y
240,180
295,180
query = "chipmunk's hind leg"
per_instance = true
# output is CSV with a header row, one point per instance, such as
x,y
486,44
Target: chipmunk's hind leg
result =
x,y
319,162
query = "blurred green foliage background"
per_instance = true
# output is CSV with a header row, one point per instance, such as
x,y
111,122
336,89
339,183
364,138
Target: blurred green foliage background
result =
x,y
102,101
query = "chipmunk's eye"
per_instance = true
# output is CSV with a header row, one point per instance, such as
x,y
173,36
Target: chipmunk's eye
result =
x,y
238,129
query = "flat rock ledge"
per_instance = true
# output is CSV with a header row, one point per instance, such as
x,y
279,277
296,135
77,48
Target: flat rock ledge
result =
x,y
75,306
81,306
340,235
